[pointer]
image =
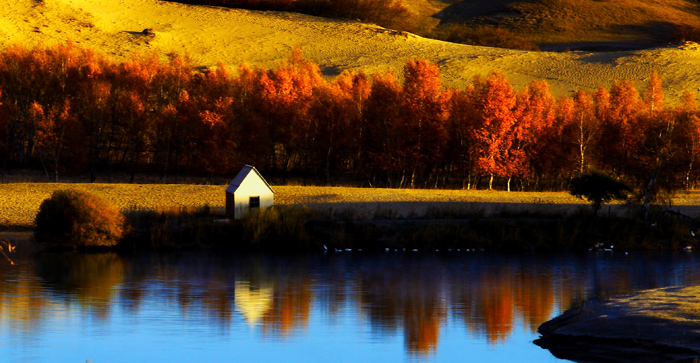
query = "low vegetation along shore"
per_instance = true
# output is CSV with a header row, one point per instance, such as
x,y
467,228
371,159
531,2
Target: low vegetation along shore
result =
x,y
336,218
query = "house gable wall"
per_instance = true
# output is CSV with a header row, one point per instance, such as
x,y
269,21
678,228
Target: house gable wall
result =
x,y
251,186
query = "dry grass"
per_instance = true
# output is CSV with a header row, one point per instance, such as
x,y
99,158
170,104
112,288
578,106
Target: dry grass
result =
x,y
365,203
19,202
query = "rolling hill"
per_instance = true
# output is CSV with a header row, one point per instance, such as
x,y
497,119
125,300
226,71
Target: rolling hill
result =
x,y
210,35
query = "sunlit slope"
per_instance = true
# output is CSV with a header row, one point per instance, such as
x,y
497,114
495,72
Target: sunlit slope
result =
x,y
210,35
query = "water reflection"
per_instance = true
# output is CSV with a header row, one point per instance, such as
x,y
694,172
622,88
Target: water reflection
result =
x,y
90,280
413,296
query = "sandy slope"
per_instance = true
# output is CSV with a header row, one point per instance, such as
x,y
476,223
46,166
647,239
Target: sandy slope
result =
x,y
211,35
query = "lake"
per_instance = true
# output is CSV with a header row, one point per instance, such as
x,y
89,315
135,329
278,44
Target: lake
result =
x,y
218,306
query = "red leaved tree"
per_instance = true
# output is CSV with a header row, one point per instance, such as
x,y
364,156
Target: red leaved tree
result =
x,y
495,110
422,125
384,157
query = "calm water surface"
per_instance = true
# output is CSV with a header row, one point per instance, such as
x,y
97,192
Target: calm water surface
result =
x,y
338,307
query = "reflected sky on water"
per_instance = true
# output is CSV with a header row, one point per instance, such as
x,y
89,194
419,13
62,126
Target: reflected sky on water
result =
x,y
339,307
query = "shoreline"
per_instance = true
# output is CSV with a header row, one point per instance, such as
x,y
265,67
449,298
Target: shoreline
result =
x,y
658,325
291,230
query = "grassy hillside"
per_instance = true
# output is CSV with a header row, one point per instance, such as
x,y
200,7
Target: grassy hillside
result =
x,y
210,35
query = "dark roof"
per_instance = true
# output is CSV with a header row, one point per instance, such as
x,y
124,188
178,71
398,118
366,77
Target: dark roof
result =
x,y
233,186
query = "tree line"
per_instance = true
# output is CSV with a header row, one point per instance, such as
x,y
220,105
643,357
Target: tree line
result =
x,y
65,109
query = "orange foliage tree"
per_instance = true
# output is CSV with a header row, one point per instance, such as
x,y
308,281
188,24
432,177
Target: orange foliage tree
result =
x,y
70,110
495,101
422,122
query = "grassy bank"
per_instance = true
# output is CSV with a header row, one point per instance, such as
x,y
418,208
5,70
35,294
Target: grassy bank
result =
x,y
19,202
307,218
289,229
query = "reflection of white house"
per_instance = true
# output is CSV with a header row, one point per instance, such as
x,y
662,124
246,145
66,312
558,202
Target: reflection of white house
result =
x,y
252,302
247,191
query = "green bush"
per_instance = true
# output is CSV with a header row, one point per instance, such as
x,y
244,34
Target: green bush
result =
x,y
72,218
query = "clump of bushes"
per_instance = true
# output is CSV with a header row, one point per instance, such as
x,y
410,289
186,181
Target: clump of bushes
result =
x,y
72,218
486,36
387,13
274,229
685,33
175,228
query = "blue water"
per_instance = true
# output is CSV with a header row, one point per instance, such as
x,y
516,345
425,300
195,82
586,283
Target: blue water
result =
x,y
338,307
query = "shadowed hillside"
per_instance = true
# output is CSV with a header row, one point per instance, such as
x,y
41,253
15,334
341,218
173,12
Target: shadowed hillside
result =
x,y
528,25
580,24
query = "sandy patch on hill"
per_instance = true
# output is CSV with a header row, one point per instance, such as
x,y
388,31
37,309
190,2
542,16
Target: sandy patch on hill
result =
x,y
210,35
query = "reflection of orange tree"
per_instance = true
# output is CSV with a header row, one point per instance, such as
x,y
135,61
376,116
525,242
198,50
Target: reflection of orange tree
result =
x,y
534,296
392,294
492,300
21,303
291,306
486,303
89,278
496,305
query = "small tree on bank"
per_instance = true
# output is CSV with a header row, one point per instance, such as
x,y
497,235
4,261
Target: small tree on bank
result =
x,y
598,188
72,218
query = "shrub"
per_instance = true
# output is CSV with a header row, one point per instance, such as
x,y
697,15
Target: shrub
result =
x,y
72,218
387,13
598,188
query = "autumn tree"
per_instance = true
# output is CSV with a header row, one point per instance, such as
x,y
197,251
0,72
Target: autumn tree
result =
x,y
653,96
535,132
621,130
580,129
357,87
494,106
461,122
384,157
689,131
284,97
217,129
331,114
58,137
423,110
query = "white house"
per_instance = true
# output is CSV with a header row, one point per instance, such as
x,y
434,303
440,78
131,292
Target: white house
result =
x,y
247,191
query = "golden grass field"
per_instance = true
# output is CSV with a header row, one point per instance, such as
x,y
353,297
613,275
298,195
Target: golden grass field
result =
x,y
19,202
210,35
